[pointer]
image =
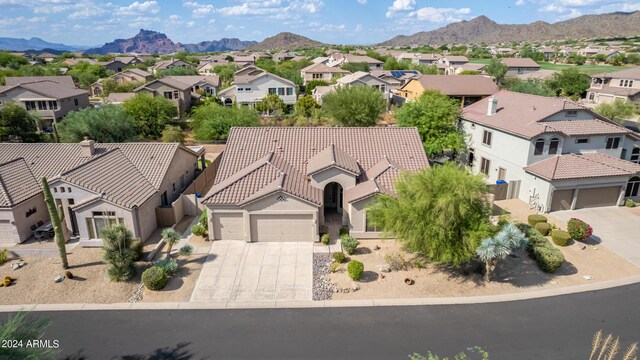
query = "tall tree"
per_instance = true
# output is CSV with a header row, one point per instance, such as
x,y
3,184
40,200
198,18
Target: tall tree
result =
x,y
17,124
56,221
357,66
569,82
497,69
171,237
435,116
358,105
110,123
213,121
619,109
305,106
150,113
271,104
118,253
440,212
532,87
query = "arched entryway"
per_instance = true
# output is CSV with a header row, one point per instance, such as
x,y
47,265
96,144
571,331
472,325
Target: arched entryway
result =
x,y
333,199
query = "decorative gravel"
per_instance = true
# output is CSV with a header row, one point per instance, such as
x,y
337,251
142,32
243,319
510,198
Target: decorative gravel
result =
x,y
322,286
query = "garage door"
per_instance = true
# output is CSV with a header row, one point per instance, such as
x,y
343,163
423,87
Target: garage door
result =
x,y
6,232
561,200
281,228
596,197
228,226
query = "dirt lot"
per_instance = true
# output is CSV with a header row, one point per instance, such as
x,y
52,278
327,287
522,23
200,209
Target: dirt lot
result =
x,y
512,274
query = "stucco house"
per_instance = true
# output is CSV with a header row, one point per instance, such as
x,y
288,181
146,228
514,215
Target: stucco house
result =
x,y
178,92
289,183
607,87
367,79
518,66
321,72
465,88
553,153
127,76
338,59
251,84
96,185
168,64
451,64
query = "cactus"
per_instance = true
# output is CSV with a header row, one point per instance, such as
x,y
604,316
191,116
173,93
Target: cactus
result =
x,y
7,282
55,220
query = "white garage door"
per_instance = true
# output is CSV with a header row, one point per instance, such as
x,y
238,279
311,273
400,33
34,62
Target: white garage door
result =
x,y
6,232
286,227
228,226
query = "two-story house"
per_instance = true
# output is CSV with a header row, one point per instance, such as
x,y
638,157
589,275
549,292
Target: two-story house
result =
x,y
467,89
607,87
251,84
451,64
168,64
178,92
359,78
553,153
519,66
321,72
125,77
51,98
338,59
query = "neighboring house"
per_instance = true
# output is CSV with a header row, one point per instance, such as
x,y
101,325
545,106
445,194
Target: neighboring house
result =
x,y
168,64
366,79
607,87
495,51
113,65
518,66
396,78
321,60
49,97
76,61
127,76
214,59
591,50
283,56
244,60
566,52
465,88
252,84
97,185
537,75
178,92
321,72
406,57
48,57
128,60
207,84
341,59
548,52
553,153
320,91
426,59
118,98
450,64
288,184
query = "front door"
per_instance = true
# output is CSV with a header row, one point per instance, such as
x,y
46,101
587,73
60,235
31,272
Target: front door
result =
x,y
502,173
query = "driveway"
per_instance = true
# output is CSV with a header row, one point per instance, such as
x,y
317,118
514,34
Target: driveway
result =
x,y
618,228
240,271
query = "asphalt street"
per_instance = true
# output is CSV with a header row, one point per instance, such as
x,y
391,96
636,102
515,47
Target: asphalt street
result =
x,y
549,328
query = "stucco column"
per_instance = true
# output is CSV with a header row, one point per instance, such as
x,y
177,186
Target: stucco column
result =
x,y
575,198
621,196
247,226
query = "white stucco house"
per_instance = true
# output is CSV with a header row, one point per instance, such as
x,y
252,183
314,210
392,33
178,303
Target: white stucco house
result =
x,y
251,84
289,183
553,153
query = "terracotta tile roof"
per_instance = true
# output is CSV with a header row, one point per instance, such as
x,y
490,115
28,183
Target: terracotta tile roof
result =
x,y
119,97
65,80
584,127
241,178
17,183
361,58
541,74
192,80
520,63
456,58
581,166
379,179
454,85
614,90
322,68
250,73
332,156
631,73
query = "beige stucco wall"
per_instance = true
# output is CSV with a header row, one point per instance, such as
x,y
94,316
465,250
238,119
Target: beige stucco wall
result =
x,y
183,163
357,220
23,223
86,212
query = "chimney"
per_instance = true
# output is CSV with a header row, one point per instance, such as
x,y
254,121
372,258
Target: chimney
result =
x,y
87,147
492,106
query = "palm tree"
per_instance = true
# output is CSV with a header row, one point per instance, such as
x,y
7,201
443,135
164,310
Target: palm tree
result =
x,y
57,223
500,246
171,237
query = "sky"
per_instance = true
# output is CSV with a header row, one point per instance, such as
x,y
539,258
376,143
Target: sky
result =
x,y
94,22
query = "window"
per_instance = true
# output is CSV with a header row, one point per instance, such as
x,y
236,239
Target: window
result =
x,y
62,189
485,166
486,137
571,113
101,220
289,91
55,190
553,146
30,105
272,90
623,154
75,102
613,143
592,96
539,147
316,76
280,91
174,187
176,95
42,105
472,157
31,211
633,187
168,95
53,105
370,227
163,199
635,155
582,140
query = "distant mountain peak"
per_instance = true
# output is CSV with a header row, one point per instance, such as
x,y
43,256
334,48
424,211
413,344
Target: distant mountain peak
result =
x,y
285,41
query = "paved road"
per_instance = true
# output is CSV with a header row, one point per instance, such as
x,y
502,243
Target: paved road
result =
x,y
549,328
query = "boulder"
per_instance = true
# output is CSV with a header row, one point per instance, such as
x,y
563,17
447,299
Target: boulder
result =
x,y
58,278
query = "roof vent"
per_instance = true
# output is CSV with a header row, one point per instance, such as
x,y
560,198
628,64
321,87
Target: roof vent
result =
x,y
492,106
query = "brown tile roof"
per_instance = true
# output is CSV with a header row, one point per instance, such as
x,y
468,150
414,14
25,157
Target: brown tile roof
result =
x,y
329,157
49,89
17,80
457,58
581,166
537,75
192,80
520,63
322,68
456,85
614,90
250,73
361,58
631,73
17,183
379,179
584,127
292,150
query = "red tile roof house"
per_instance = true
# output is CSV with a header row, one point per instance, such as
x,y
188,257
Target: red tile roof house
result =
x,y
96,185
286,184
518,66
554,153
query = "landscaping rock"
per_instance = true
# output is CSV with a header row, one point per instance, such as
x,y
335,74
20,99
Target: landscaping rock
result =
x,y
355,287
376,247
15,266
384,268
323,289
58,278
587,277
22,264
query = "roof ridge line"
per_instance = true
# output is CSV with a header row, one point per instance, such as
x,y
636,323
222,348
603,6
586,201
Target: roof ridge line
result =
x,y
258,164
604,163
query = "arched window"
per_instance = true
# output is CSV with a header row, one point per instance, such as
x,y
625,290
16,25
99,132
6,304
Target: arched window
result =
x,y
539,147
553,146
635,155
633,187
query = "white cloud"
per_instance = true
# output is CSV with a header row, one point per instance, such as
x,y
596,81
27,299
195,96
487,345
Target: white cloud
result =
x,y
233,27
358,28
400,5
273,9
520,2
137,8
361,2
143,21
17,21
321,27
439,15
199,10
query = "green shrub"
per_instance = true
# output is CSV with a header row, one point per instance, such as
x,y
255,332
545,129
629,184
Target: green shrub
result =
x,y
419,263
543,227
137,246
339,257
154,278
198,230
578,229
560,237
536,218
203,220
344,230
355,269
186,250
349,244
396,262
335,266
169,265
549,259
629,203
4,256
325,239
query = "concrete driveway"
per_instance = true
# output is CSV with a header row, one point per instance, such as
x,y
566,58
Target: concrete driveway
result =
x,y
618,228
240,271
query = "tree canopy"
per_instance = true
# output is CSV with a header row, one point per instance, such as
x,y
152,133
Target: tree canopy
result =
x,y
619,109
440,212
213,121
305,106
435,115
357,66
354,105
109,123
86,74
150,113
569,82
532,87
497,69
271,105
176,71
17,124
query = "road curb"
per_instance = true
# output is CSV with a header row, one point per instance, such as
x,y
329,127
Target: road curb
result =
x,y
289,304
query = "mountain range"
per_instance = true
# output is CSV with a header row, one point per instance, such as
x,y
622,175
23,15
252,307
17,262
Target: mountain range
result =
x,y
285,41
16,44
483,29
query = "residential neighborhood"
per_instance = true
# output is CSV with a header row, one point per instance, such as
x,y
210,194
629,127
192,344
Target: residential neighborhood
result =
x,y
359,172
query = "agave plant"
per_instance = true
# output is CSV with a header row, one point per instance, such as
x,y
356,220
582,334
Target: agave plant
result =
x,y
491,250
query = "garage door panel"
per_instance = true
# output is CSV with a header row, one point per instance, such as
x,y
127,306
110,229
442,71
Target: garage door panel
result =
x,y
562,200
597,197
228,226
282,227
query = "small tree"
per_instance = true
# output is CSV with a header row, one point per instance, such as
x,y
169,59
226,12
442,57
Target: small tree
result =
x,y
171,237
357,66
355,105
17,124
271,104
532,87
54,215
313,84
110,123
497,69
569,82
150,113
213,121
491,250
619,109
118,253
305,106
173,134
